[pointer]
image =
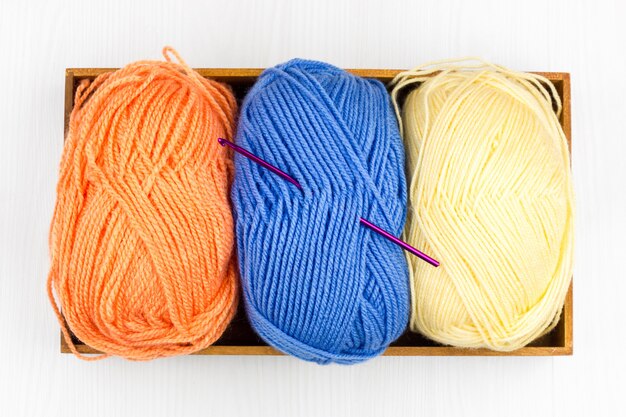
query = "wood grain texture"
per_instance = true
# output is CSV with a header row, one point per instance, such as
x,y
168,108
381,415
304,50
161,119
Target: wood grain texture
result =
x,y
240,339
39,39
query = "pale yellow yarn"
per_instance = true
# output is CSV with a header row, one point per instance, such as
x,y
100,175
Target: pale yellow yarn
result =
x,y
491,198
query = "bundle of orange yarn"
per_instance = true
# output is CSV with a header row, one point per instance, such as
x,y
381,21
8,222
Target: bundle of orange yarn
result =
x,y
142,242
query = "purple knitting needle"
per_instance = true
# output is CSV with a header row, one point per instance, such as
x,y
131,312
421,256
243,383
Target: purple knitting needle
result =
x,y
258,160
372,226
400,243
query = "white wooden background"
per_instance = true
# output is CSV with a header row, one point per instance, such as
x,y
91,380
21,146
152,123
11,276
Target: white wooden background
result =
x,y
39,39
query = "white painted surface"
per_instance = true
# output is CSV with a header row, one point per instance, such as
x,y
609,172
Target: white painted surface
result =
x,y
39,39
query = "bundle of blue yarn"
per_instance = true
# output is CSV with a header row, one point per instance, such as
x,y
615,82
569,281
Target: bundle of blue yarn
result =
x,y
316,283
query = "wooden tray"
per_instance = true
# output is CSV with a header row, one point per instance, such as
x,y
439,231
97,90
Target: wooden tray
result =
x,y
240,339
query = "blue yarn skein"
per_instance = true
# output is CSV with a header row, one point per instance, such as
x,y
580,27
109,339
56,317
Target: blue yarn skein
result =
x,y
316,283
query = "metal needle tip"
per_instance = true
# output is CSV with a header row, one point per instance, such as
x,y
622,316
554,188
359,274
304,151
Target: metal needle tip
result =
x,y
400,243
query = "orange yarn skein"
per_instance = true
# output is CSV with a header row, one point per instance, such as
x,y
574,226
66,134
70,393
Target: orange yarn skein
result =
x,y
142,241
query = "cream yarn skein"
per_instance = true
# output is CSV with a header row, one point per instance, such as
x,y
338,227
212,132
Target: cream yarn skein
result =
x,y
491,198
